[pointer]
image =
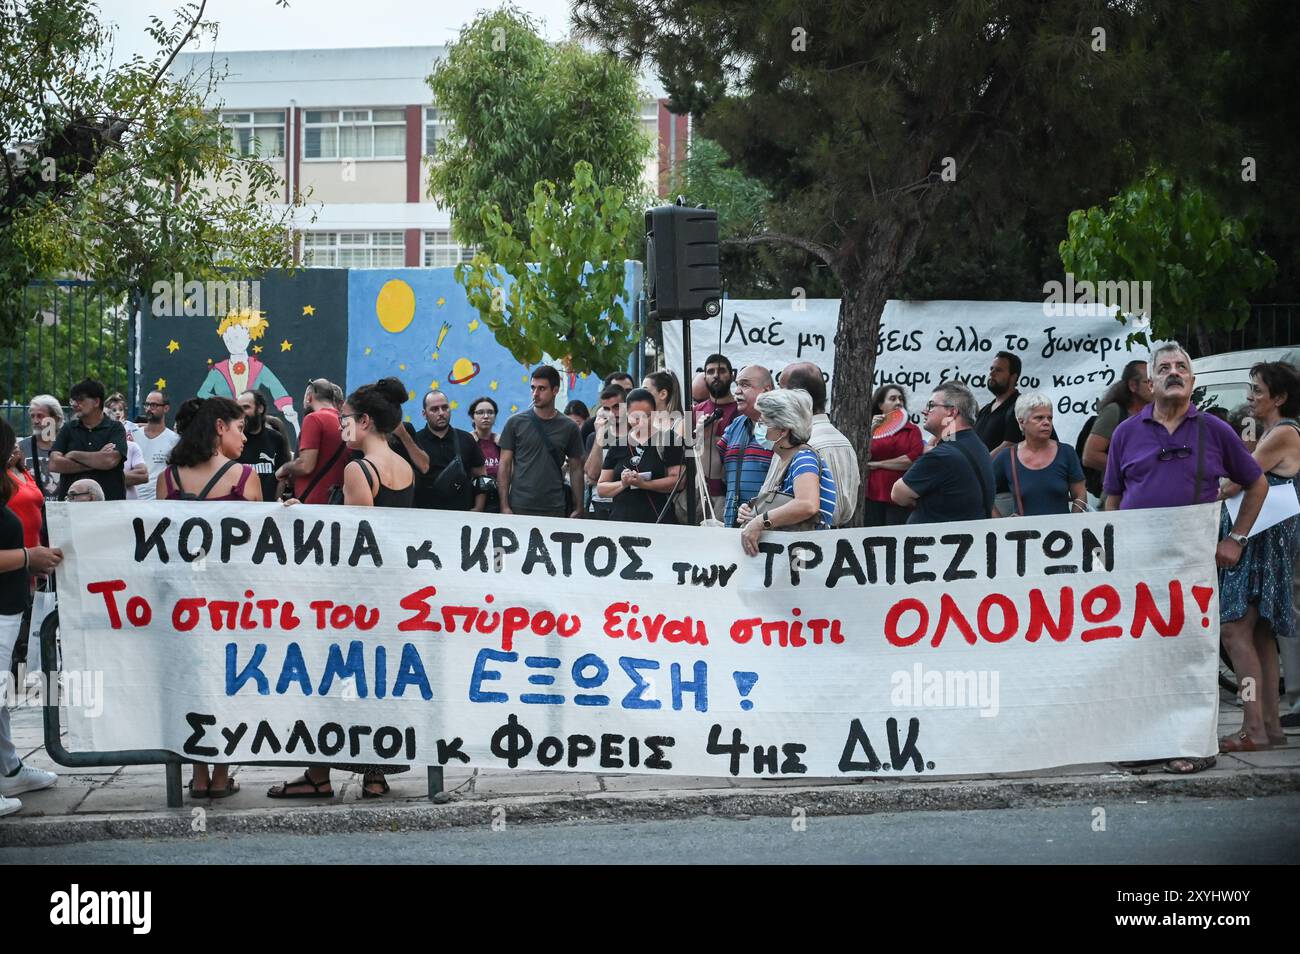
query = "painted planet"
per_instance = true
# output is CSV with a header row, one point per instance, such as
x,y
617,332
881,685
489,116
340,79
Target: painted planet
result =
x,y
395,305
463,371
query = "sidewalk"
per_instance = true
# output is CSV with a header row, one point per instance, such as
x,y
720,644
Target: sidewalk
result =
x,y
90,804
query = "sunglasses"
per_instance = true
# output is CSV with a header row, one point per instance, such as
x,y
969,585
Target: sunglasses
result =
x,y
1170,453
80,495
930,406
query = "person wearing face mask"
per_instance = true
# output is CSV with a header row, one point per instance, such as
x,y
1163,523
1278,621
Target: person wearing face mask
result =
x,y
746,453
267,450
203,466
639,474
893,451
799,491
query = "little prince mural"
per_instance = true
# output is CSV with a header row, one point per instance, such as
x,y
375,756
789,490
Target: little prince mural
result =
x,y
241,371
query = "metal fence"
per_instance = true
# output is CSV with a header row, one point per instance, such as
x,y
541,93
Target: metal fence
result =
x,y
1269,326
67,331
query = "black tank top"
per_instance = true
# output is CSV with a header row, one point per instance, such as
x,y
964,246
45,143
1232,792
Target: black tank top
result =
x,y
386,496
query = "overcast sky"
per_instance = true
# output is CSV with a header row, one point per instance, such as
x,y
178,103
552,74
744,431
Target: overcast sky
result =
x,y
316,24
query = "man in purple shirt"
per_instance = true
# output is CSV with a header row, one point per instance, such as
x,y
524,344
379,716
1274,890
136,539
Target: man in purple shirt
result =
x,y
1171,454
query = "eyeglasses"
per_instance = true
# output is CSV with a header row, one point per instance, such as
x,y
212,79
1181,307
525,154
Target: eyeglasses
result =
x,y
155,404
930,406
1169,453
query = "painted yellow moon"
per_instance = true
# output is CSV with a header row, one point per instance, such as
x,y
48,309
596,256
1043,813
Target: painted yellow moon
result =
x,y
395,305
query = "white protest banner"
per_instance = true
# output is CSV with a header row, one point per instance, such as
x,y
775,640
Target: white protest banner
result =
x,y
1072,357
241,633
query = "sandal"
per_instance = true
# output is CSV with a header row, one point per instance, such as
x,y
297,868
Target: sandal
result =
x,y
1278,741
317,789
230,789
1141,763
380,780
196,792
1241,742
1194,765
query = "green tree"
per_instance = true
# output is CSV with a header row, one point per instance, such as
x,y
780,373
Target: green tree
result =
x,y
120,173
867,120
565,268
523,111
1201,264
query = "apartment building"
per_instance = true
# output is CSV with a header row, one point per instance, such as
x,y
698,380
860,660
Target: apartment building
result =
x,y
350,129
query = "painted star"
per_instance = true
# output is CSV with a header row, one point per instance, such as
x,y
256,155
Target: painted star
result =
x,y
173,346
434,356
493,385
473,325
411,395
513,408
433,385
309,309
160,384
441,301
257,349
367,350
454,405
401,367
286,345
408,417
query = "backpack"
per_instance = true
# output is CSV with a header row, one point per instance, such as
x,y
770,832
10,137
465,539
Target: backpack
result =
x,y
181,494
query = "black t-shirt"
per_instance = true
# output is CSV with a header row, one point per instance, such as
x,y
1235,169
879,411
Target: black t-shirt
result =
x,y
442,452
633,504
266,451
13,585
948,487
75,436
997,425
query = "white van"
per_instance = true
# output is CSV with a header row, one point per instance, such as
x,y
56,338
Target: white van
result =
x,y
1222,380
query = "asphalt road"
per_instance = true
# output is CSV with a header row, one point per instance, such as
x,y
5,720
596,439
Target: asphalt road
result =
x,y
1218,831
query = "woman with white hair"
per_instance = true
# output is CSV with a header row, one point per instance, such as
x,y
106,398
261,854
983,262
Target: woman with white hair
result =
x,y
799,493
46,414
1043,476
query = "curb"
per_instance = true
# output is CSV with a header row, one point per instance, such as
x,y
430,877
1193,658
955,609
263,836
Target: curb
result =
x,y
869,797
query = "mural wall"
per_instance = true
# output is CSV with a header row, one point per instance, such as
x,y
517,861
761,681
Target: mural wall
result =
x,y
351,326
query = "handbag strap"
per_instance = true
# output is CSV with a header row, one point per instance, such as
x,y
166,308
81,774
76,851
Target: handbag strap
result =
x,y
1015,478
546,440
1200,456
320,474
211,484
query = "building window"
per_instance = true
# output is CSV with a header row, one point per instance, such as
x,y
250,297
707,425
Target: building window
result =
x,y
650,119
353,249
441,250
436,126
354,134
256,135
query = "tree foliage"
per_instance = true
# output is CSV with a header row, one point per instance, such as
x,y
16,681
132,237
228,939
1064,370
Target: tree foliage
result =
x,y
551,285
524,111
1201,264
119,172
868,120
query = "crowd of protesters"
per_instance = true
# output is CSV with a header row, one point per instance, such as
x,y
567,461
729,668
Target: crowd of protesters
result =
x,y
768,459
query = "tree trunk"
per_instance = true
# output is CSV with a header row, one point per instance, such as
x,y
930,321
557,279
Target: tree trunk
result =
x,y
861,302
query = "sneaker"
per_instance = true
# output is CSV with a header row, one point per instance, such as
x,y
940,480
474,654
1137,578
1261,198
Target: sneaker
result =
x,y
1291,720
28,779
9,805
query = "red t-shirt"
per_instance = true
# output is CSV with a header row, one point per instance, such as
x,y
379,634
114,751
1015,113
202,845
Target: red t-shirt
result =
x,y
27,502
906,442
320,432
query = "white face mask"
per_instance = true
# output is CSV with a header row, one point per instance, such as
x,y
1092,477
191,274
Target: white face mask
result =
x,y
760,436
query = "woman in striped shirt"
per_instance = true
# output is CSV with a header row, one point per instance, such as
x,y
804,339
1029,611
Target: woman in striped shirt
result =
x,y
797,472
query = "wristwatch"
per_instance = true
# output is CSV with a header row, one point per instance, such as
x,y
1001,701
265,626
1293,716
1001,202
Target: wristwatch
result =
x,y
767,522
1238,538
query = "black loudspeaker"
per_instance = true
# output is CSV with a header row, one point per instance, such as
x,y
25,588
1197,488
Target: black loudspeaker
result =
x,y
682,277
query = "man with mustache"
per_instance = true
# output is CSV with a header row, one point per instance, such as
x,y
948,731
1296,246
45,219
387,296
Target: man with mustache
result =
x,y
1171,454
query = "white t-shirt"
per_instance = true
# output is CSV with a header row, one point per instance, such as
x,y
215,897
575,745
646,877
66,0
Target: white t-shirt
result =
x,y
155,451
